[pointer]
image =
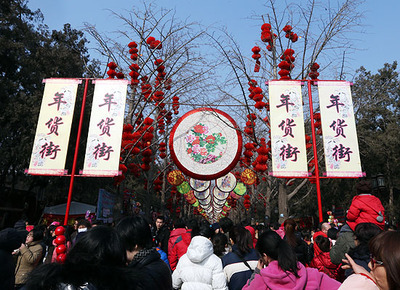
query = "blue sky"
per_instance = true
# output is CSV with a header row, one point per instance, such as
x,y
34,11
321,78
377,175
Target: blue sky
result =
x,y
378,45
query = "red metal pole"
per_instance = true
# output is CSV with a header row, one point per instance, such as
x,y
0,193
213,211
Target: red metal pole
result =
x,y
78,137
315,151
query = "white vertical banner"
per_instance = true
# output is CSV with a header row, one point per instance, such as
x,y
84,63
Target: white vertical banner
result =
x,y
105,128
288,145
342,156
54,127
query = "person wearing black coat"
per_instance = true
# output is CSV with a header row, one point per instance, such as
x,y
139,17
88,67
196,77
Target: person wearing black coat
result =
x,y
10,239
143,259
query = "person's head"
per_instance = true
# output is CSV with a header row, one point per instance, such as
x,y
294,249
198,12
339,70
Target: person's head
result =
x,y
179,224
34,235
99,246
220,241
76,222
135,234
323,243
333,233
290,228
364,232
364,186
385,259
325,227
84,225
226,224
273,248
241,238
160,221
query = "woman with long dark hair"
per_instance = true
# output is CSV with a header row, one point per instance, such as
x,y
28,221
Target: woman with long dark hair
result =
x,y
240,263
96,261
294,239
278,268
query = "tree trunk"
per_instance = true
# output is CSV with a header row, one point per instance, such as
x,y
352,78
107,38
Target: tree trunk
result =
x,y
282,202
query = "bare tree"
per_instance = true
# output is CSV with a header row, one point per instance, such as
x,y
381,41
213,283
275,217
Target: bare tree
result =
x,y
322,31
166,59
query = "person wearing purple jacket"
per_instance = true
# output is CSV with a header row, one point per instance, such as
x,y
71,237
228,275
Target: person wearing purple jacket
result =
x,y
278,268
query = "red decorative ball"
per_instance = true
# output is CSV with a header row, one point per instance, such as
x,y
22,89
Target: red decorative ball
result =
x,y
59,231
61,249
61,258
60,240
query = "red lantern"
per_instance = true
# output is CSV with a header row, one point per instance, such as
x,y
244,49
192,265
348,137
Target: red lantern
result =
x,y
59,231
60,240
61,258
61,249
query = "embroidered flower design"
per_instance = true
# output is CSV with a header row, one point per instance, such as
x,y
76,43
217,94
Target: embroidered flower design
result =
x,y
203,145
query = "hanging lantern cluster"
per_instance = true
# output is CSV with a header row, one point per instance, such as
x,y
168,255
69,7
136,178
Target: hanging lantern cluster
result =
x,y
289,34
134,67
314,74
112,73
133,51
249,148
256,94
250,124
153,43
317,123
160,72
160,121
256,56
175,105
168,118
162,148
147,138
246,201
286,65
267,36
260,164
61,242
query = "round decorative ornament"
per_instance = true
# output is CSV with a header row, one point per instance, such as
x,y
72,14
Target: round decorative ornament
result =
x,y
219,194
226,183
218,203
205,143
183,188
202,194
199,185
240,189
248,176
206,201
196,204
175,177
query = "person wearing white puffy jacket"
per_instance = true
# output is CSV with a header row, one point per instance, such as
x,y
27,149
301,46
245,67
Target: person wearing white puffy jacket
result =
x,y
199,268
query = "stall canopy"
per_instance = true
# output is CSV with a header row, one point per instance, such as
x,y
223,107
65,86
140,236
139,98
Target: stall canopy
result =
x,y
57,212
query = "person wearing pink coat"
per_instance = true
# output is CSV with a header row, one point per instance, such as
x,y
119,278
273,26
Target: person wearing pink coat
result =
x,y
278,268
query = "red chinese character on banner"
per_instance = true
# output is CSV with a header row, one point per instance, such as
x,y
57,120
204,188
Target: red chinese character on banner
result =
x,y
288,152
49,150
104,125
53,124
58,100
286,126
102,151
285,101
108,101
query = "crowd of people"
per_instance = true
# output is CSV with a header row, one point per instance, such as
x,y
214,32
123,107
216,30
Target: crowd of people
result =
x,y
138,254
